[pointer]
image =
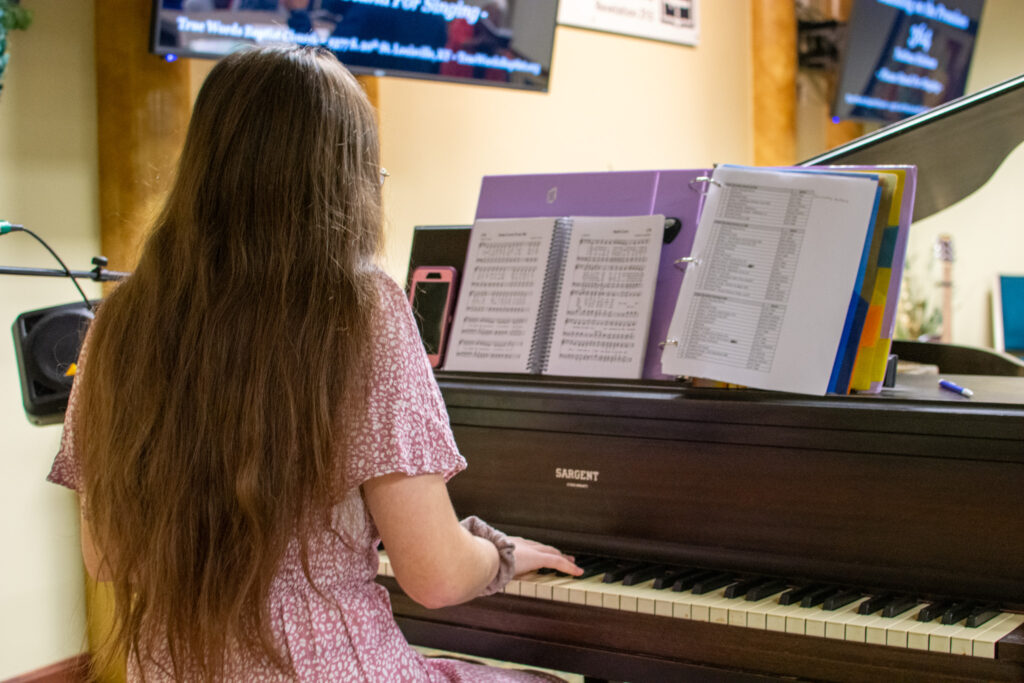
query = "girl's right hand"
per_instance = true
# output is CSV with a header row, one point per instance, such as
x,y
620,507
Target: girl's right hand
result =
x,y
531,556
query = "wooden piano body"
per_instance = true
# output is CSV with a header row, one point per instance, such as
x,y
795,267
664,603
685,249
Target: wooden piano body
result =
x,y
919,490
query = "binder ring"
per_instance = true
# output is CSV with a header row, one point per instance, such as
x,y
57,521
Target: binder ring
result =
x,y
668,342
681,263
706,180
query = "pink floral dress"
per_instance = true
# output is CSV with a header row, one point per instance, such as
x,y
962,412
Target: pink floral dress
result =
x,y
354,637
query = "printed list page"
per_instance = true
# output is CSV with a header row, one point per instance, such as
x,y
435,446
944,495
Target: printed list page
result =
x,y
500,295
777,255
607,290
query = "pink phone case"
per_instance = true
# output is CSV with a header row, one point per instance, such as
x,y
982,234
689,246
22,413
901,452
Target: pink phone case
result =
x,y
432,295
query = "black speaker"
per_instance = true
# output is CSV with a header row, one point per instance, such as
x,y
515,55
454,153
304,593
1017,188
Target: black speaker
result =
x,y
46,343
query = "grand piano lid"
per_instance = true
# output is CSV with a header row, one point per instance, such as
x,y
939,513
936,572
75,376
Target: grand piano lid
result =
x,y
956,146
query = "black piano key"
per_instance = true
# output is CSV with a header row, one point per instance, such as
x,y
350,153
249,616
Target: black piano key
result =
x,y
711,583
933,610
669,578
743,586
766,590
957,612
875,603
584,561
616,574
816,597
645,573
595,568
688,580
981,615
898,606
796,594
841,599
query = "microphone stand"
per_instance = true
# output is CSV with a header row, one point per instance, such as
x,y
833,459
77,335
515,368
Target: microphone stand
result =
x,y
97,274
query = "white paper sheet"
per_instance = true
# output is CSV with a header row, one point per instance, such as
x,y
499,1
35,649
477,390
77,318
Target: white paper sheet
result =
x,y
777,259
607,290
500,295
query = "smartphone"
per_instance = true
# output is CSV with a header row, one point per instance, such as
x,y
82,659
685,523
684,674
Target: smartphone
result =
x,y
432,295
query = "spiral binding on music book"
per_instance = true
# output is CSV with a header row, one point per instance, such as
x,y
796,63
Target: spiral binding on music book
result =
x,y
540,345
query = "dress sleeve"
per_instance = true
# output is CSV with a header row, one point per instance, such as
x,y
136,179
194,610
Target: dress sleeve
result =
x,y
67,468
403,427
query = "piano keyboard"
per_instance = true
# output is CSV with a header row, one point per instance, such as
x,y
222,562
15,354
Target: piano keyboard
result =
x,y
719,598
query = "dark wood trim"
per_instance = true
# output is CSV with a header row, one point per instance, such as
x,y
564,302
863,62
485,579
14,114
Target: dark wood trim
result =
x,y
71,670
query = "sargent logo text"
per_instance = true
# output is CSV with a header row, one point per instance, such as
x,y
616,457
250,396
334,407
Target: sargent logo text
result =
x,y
577,477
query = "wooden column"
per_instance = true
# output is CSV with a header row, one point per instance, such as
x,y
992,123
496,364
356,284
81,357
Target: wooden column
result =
x,y
774,76
143,109
371,85
144,104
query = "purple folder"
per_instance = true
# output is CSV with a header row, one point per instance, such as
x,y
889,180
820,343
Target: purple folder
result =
x,y
675,194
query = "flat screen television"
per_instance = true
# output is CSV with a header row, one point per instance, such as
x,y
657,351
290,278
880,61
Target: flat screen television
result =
x,y
903,57
490,42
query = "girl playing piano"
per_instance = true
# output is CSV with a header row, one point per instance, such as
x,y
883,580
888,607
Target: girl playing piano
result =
x,y
255,411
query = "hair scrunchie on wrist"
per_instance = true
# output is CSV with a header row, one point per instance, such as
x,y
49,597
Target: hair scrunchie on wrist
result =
x,y
506,551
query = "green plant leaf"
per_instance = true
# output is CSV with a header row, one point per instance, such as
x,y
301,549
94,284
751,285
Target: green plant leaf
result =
x,y
14,17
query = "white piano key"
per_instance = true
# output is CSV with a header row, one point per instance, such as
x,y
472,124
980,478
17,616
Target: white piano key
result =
x,y
939,639
817,623
594,592
856,627
659,602
575,591
838,626
719,613
797,623
918,634
897,627
534,585
528,584
751,614
701,605
775,619
384,567
961,641
984,642
665,600
545,588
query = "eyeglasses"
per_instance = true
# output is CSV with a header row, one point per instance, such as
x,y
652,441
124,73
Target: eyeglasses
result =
x,y
383,175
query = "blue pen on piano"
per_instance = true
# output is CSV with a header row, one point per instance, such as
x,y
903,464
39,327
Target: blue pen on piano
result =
x,y
963,391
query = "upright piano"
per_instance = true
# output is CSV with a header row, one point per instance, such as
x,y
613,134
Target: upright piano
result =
x,y
916,493
910,501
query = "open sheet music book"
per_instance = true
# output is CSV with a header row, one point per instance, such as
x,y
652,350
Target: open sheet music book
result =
x,y
775,279
561,296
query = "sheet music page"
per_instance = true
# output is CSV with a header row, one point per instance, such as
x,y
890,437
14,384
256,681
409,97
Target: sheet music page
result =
x,y
604,309
777,259
500,295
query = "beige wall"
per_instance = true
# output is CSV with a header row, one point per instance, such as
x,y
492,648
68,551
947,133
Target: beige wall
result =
x,y
615,103
48,183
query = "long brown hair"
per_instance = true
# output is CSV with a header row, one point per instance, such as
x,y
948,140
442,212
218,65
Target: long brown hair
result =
x,y
209,396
